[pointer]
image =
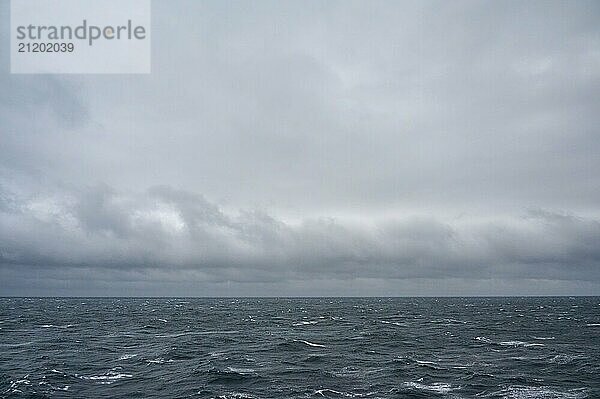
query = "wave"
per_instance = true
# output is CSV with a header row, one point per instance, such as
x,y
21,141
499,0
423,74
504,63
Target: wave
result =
x,y
127,356
305,323
241,370
160,360
314,358
183,334
231,375
392,322
448,321
508,343
430,365
530,392
55,326
327,392
310,343
484,339
422,363
519,343
233,395
436,387
566,358
107,378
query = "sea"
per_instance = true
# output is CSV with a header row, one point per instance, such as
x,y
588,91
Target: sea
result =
x,y
530,347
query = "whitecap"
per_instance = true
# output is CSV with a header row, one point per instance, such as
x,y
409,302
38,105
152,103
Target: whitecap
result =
x,y
391,322
323,391
309,343
127,356
429,364
519,343
530,392
425,362
438,387
27,343
160,360
55,326
565,358
305,323
233,395
107,378
508,343
240,370
448,321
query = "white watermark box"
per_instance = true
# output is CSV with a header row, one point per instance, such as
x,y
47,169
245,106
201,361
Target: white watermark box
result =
x,y
80,36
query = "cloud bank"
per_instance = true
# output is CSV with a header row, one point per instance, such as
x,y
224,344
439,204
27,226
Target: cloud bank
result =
x,y
165,234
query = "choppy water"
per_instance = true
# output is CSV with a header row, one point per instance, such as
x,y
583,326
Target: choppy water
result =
x,y
300,348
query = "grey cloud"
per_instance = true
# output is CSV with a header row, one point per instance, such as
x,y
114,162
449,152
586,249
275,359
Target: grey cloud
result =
x,y
430,106
172,235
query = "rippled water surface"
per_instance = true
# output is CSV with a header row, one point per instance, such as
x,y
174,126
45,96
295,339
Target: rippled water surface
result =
x,y
300,348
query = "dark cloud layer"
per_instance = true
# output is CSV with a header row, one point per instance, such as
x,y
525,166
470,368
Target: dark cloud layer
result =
x,y
343,148
171,235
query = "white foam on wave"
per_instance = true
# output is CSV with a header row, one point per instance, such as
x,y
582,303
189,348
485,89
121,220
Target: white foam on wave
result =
x,y
27,343
593,324
437,387
448,321
127,356
565,358
529,392
55,326
424,362
233,395
508,343
160,360
429,364
107,379
305,323
391,322
240,370
309,343
519,343
14,385
323,391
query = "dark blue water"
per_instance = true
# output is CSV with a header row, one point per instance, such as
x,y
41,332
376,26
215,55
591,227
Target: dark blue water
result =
x,y
300,348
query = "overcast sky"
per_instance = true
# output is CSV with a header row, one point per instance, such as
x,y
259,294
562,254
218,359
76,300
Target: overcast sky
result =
x,y
313,148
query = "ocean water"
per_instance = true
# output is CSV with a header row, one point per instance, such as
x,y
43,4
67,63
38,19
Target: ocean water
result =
x,y
300,348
